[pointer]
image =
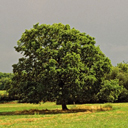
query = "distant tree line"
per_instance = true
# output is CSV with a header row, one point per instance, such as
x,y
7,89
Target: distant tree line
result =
x,y
5,78
119,73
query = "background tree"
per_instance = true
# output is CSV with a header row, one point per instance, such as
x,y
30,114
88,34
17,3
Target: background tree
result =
x,y
120,72
58,63
4,79
110,91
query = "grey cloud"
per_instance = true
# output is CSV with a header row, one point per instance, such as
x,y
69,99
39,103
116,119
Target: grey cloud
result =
x,y
106,20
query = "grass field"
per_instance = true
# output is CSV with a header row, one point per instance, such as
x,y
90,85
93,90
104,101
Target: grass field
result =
x,y
10,118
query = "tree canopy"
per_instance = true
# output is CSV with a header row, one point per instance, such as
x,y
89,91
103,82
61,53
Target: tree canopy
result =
x,y
58,63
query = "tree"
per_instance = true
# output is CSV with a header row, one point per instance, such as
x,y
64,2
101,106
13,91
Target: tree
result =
x,y
110,91
120,72
4,79
58,63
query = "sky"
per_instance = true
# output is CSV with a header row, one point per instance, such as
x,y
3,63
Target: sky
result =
x,y
106,20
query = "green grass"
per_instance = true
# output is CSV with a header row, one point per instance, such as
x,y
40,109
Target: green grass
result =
x,y
116,118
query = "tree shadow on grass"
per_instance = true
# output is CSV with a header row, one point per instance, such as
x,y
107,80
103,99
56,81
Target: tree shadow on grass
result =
x,y
36,111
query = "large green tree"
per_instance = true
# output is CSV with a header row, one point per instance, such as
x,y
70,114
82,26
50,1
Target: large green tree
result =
x,y
58,63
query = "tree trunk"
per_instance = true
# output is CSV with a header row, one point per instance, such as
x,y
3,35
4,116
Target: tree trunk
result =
x,y
64,107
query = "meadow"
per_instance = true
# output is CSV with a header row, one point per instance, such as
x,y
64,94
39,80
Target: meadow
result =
x,y
19,115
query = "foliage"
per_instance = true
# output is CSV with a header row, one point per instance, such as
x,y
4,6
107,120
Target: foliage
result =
x,y
123,66
110,91
120,72
5,97
123,97
5,75
58,62
4,79
2,92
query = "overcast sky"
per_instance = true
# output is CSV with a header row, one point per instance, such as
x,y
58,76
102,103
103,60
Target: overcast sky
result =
x,y
106,20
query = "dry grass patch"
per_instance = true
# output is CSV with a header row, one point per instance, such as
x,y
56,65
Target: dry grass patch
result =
x,y
5,123
32,119
22,120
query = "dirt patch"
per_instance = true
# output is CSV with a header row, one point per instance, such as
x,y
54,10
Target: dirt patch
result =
x,y
75,110
78,111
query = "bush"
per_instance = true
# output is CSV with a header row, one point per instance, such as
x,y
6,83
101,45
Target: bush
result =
x,y
110,91
123,97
